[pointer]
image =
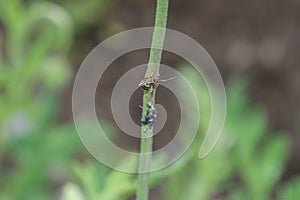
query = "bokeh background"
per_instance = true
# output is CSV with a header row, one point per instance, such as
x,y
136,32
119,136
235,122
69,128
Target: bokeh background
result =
x,y
255,44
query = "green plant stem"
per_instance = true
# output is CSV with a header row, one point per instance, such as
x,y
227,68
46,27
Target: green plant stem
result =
x,y
149,98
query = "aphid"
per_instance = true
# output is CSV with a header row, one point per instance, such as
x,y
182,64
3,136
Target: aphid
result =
x,y
150,116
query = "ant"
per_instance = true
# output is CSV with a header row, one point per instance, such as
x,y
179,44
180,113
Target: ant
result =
x,y
152,82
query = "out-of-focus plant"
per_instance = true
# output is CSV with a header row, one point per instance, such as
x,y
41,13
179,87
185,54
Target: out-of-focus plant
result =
x,y
259,155
34,66
101,182
247,162
35,150
291,189
87,13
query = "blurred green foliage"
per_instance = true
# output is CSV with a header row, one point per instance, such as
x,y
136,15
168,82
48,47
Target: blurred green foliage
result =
x,y
247,162
42,159
34,67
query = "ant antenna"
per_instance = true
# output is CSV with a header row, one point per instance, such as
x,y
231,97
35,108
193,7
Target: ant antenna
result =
x,y
168,79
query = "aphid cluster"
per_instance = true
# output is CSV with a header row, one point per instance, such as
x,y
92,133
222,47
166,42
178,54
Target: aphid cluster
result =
x,y
150,116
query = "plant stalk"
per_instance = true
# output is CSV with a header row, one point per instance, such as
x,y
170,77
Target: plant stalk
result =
x,y
152,75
